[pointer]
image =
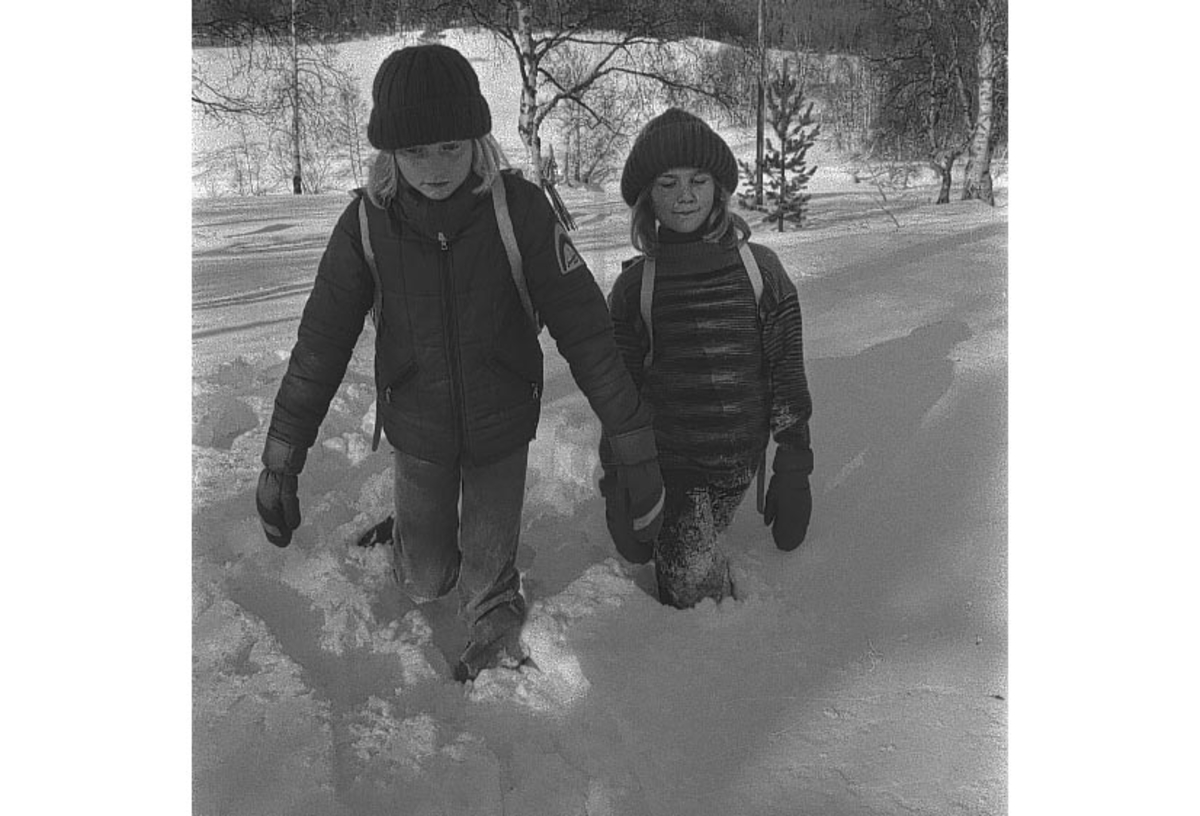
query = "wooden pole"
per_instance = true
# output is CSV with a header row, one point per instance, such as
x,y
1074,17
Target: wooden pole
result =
x,y
297,184
760,126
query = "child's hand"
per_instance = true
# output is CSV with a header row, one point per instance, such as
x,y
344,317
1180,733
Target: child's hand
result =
x,y
276,501
643,485
278,506
788,509
616,516
788,506
639,479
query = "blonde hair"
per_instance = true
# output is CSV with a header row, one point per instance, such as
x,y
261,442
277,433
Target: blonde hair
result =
x,y
384,179
722,227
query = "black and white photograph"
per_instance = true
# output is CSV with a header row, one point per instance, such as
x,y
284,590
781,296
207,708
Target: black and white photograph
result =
x,y
599,408
605,408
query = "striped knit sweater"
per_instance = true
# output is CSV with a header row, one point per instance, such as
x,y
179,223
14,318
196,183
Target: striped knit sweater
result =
x,y
717,383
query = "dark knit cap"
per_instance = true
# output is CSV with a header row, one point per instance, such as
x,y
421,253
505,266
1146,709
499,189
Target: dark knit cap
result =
x,y
425,94
676,138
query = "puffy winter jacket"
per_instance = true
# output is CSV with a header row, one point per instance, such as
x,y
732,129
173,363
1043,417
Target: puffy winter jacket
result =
x,y
457,361
725,373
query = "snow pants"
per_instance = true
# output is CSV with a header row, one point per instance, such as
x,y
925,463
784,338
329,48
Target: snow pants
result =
x,y
688,562
459,526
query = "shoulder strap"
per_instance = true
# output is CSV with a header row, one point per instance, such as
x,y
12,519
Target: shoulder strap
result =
x,y
364,229
647,304
756,283
504,222
756,280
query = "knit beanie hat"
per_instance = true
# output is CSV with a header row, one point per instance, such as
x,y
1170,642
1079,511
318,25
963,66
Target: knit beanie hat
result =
x,y
425,94
676,138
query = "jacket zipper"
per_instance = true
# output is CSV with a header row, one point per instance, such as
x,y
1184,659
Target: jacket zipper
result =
x,y
452,354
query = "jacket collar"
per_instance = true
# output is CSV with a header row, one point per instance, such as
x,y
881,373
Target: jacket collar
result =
x,y
694,256
449,217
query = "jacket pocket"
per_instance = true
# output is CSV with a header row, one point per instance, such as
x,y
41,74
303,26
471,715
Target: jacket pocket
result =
x,y
398,381
515,384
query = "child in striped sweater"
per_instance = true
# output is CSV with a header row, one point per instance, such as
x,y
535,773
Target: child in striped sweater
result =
x,y
721,365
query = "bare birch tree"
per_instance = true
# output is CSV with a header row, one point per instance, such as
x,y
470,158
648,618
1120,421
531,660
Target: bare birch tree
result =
x,y
945,63
989,26
620,39
276,70
925,110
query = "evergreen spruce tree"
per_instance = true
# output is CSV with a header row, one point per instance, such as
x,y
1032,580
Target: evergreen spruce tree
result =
x,y
785,168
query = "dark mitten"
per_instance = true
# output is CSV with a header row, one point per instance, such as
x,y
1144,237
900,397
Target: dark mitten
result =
x,y
276,500
788,506
616,516
639,479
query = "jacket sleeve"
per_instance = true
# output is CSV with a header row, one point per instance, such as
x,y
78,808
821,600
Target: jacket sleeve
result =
x,y
566,295
632,342
628,328
783,346
329,327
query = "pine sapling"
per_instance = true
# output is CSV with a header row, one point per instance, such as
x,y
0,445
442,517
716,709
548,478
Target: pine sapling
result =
x,y
785,168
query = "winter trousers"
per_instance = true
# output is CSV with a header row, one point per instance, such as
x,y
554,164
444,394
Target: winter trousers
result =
x,y
688,562
458,525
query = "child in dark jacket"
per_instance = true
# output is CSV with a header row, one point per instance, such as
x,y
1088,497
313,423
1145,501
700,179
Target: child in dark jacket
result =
x,y
720,372
458,365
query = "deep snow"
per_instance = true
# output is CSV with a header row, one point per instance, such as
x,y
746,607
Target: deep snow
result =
x,y
865,673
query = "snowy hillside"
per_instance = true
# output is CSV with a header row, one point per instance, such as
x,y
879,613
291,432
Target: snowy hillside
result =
x,y
499,80
865,673
498,76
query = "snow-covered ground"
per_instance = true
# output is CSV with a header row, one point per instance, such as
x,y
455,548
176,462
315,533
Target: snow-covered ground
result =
x,y
865,673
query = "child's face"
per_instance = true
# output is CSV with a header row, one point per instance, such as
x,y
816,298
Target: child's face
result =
x,y
436,170
682,198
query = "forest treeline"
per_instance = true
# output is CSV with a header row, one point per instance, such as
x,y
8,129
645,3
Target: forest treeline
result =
x,y
843,26
896,82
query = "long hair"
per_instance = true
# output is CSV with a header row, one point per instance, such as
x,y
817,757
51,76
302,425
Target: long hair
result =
x,y
722,227
384,180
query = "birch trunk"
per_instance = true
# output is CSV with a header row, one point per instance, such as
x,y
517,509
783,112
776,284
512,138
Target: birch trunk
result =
x,y
943,161
977,183
527,121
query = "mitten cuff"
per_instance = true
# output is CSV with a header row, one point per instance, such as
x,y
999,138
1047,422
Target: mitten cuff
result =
x,y
280,457
634,447
791,460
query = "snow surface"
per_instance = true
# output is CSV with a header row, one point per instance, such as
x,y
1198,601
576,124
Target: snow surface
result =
x,y
865,673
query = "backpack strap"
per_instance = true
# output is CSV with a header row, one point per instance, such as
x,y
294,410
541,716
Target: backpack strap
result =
x,y
364,229
756,283
760,477
504,222
647,303
756,279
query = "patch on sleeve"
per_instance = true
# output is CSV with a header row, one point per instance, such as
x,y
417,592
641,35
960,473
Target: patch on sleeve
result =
x,y
569,258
